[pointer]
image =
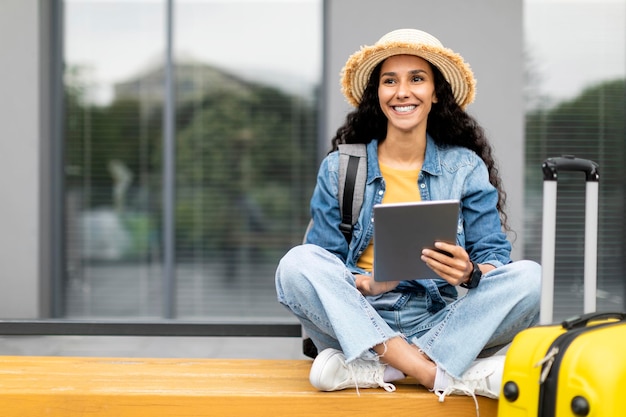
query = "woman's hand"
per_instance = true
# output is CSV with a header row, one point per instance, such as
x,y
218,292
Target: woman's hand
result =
x,y
367,285
455,267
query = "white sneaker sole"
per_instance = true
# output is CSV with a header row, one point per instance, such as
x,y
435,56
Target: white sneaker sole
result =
x,y
319,365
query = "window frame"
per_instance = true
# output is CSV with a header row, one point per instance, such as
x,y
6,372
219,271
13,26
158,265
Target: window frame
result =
x,y
167,324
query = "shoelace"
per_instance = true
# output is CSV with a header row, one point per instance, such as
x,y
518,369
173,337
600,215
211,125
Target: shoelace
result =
x,y
467,387
464,389
367,372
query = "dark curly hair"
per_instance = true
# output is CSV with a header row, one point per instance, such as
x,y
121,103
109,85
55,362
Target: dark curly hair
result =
x,y
448,124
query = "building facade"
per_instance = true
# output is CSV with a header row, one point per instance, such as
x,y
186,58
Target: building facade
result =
x,y
91,228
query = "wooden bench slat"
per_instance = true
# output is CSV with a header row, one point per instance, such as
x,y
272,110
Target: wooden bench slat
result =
x,y
83,386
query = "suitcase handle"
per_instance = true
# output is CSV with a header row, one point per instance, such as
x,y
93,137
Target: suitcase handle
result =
x,y
550,169
582,321
570,163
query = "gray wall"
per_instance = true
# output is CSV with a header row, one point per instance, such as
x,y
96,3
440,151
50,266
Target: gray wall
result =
x,y
19,158
487,33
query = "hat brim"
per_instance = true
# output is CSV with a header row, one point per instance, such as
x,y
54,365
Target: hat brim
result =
x,y
359,67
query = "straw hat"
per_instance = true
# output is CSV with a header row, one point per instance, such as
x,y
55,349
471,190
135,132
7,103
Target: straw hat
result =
x,y
359,67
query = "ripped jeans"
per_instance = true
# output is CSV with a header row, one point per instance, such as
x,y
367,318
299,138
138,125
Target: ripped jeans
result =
x,y
321,292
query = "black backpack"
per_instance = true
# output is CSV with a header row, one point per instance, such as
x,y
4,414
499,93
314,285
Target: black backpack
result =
x,y
352,178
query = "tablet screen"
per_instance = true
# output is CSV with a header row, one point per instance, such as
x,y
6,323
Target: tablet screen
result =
x,y
403,230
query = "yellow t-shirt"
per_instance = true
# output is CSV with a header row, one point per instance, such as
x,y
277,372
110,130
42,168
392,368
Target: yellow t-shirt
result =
x,y
400,187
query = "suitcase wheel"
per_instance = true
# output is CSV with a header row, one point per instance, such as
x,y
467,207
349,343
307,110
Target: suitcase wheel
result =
x,y
580,406
510,391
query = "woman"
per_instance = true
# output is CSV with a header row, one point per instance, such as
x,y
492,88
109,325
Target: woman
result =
x,y
410,93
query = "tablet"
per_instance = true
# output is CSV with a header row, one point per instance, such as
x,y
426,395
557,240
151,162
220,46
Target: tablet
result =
x,y
402,230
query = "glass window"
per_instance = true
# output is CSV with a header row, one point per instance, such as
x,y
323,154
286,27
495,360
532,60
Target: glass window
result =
x,y
245,100
576,55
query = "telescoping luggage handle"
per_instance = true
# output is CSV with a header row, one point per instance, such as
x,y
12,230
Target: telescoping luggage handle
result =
x,y
551,168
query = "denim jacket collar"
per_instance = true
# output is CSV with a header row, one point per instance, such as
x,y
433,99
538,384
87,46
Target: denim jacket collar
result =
x,y
432,159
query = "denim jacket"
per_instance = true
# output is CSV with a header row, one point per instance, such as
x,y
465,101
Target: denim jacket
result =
x,y
447,173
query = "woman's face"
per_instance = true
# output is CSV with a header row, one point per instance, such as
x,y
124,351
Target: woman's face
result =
x,y
406,92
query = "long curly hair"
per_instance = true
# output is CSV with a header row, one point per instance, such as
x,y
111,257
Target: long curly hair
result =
x,y
448,124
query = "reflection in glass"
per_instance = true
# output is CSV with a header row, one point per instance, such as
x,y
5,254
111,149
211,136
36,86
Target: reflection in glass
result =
x,y
246,132
576,90
245,146
112,183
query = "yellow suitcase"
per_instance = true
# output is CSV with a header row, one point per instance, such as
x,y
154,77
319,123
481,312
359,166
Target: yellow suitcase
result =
x,y
575,369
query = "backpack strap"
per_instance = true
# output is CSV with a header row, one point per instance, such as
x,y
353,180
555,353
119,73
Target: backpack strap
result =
x,y
352,178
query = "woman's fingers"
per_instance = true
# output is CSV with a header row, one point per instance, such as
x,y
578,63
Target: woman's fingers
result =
x,y
450,262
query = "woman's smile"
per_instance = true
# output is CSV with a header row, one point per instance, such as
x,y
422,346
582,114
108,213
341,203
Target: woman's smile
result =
x,y
404,109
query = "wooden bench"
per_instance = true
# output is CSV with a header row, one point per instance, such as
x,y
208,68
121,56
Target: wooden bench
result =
x,y
86,386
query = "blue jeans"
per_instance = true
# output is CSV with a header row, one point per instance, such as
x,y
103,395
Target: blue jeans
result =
x,y
320,291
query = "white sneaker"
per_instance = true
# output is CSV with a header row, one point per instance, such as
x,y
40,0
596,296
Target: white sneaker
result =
x,y
330,372
482,378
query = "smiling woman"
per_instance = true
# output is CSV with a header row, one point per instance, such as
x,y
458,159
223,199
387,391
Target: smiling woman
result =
x,y
420,144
